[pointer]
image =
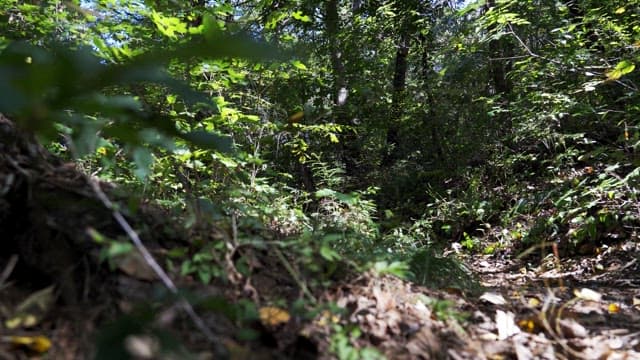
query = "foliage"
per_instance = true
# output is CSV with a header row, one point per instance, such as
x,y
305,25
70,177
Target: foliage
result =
x,y
341,345
344,134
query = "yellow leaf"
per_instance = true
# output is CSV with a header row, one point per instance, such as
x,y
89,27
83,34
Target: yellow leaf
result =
x,y
13,322
273,316
614,308
528,325
22,320
295,118
620,10
38,344
622,68
534,302
326,318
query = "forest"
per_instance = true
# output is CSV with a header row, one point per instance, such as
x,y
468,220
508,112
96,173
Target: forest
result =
x,y
338,179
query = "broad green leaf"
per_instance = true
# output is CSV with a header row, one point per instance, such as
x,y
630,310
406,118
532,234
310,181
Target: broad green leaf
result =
x,y
325,193
298,65
328,253
622,68
143,158
167,25
209,140
117,248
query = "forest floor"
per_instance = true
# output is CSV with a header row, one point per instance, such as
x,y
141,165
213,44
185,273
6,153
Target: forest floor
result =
x,y
61,298
549,308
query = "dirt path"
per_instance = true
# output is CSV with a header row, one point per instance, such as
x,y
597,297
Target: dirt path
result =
x,y
579,308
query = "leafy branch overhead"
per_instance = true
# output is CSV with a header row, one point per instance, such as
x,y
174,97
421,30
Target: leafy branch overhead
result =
x,y
73,86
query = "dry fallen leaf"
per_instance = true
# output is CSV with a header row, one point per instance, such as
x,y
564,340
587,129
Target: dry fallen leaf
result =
x,y
31,310
572,329
36,344
424,342
534,302
142,346
384,299
273,316
523,352
505,321
588,294
134,265
613,308
493,298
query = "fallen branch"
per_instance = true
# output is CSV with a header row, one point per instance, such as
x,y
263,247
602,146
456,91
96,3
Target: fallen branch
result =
x,y
219,349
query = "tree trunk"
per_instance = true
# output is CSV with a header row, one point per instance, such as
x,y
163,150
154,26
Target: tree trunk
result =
x,y
430,118
349,151
500,64
332,24
399,84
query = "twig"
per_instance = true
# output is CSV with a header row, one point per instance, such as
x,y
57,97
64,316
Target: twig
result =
x,y
528,50
626,266
219,349
8,269
294,275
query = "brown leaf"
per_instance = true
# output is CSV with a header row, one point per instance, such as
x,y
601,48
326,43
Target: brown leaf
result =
x,y
384,299
134,265
424,342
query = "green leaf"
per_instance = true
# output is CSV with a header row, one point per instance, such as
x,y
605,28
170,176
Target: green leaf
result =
x,y
325,193
143,158
167,25
117,248
328,253
298,65
209,140
349,199
622,68
298,15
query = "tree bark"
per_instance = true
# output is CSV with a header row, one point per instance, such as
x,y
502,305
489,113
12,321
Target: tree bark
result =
x,y
332,24
500,64
399,84
430,118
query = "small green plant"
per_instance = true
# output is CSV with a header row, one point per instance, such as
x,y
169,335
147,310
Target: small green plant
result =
x,y
204,264
468,242
431,270
111,249
395,268
341,345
